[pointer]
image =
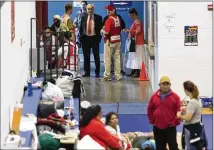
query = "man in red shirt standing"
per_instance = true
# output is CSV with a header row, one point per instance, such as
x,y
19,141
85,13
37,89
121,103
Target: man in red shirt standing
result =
x,y
162,109
111,31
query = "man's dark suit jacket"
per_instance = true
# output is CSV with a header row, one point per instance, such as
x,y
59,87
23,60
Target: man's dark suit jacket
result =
x,y
97,23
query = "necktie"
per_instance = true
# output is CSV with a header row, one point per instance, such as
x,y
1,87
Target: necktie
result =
x,y
89,25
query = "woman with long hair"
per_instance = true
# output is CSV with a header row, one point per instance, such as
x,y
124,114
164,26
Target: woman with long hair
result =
x,y
192,117
91,125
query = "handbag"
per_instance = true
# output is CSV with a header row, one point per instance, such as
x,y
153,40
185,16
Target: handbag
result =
x,y
132,45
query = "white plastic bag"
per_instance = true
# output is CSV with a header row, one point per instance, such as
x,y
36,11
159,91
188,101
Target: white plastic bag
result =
x,y
66,84
52,92
88,143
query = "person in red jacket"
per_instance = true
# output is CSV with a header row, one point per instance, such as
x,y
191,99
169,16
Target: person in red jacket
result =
x,y
92,125
111,32
162,113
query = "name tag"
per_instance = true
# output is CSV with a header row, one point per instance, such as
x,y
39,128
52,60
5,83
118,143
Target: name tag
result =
x,y
114,38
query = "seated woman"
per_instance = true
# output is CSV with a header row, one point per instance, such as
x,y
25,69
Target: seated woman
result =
x,y
48,41
113,128
91,125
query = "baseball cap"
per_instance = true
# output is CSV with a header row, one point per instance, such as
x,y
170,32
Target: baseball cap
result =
x,y
110,7
165,79
56,17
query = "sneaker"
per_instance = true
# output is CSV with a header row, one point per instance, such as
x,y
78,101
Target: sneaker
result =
x,y
119,78
105,79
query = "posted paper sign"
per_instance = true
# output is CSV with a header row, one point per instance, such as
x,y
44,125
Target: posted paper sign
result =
x,y
190,35
76,4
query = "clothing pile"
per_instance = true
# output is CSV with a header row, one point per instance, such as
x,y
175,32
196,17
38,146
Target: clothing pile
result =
x,y
51,124
49,119
71,84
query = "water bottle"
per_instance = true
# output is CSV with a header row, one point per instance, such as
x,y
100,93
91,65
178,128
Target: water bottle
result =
x,y
30,89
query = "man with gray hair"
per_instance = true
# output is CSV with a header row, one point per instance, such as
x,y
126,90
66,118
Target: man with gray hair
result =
x,y
90,38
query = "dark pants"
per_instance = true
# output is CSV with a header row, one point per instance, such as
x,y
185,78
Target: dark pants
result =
x,y
88,43
164,136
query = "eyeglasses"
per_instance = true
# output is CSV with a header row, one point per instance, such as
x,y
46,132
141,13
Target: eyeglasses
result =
x,y
89,8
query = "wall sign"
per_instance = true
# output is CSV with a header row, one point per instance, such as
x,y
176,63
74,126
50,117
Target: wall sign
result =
x,y
12,21
121,5
76,3
169,20
190,35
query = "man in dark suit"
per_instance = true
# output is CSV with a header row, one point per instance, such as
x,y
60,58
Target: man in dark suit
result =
x,y
90,37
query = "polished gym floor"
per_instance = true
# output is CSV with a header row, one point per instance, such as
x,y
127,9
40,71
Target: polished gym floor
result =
x,y
127,90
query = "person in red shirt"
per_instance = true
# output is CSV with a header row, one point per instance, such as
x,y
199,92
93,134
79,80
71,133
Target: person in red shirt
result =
x,y
111,32
162,113
92,125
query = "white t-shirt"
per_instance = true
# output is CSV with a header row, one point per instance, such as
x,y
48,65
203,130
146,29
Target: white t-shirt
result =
x,y
113,131
116,132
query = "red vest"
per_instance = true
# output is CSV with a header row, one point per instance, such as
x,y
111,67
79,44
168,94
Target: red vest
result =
x,y
114,35
72,55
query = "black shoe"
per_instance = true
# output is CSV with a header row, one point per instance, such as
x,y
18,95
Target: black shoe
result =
x,y
97,75
123,72
86,75
136,75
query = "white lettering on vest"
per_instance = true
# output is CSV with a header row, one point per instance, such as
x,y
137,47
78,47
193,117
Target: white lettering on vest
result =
x,y
116,21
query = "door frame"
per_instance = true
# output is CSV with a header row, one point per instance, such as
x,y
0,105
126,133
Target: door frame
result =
x,y
41,15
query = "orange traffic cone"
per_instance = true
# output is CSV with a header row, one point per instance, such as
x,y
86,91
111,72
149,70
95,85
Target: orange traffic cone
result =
x,y
143,76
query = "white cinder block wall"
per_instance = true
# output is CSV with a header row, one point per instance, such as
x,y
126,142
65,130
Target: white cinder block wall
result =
x,y
14,57
181,62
